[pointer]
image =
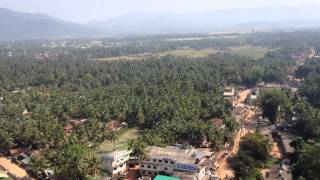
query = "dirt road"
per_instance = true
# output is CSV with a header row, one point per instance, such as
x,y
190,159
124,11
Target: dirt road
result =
x,y
13,169
223,170
243,96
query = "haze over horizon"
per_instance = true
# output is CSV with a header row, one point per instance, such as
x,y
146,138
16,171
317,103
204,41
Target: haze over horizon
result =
x,y
83,11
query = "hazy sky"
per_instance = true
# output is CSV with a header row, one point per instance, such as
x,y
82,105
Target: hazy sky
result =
x,y
88,10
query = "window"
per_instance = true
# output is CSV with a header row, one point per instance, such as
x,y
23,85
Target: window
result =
x,y
115,168
154,167
165,161
143,172
172,162
150,173
154,160
165,168
142,165
160,160
121,165
149,166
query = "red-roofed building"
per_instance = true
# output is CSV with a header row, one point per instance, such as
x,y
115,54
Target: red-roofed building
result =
x,y
113,125
216,122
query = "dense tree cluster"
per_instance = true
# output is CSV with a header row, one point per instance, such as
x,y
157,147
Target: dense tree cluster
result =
x,y
271,102
304,107
170,99
252,155
308,164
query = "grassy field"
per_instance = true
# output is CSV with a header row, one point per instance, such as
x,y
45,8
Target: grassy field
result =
x,y
255,52
125,135
192,53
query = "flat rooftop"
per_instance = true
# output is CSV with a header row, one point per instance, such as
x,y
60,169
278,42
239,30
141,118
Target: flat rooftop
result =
x,y
116,154
172,152
228,94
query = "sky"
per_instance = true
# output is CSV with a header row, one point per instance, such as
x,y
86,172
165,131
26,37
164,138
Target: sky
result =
x,y
83,11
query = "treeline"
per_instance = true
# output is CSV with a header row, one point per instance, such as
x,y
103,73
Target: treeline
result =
x,y
169,99
65,72
252,156
302,111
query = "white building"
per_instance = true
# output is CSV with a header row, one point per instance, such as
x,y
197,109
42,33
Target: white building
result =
x,y
174,161
116,162
253,96
229,92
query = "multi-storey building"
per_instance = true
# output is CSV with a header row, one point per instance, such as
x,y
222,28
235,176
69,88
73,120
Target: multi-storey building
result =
x,y
175,161
116,162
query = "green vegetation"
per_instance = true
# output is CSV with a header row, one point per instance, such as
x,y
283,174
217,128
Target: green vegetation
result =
x,y
304,107
69,99
308,164
271,101
252,155
124,137
190,53
255,52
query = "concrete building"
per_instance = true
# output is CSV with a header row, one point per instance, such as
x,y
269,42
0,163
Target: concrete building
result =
x,y
253,96
229,92
184,163
285,144
116,162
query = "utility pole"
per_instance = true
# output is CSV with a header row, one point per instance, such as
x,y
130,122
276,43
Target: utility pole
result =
x,y
273,38
252,41
273,28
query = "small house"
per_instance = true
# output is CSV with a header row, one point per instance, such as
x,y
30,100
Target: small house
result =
x,y
218,123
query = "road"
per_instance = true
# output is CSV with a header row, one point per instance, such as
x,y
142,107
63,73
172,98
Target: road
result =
x,y
223,170
13,169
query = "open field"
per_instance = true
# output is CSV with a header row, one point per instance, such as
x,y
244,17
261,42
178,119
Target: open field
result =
x,y
192,53
125,135
255,52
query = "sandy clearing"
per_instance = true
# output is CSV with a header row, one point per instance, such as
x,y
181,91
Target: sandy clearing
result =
x,y
13,169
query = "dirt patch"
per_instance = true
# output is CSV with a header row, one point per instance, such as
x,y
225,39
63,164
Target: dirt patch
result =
x,y
275,151
133,173
13,169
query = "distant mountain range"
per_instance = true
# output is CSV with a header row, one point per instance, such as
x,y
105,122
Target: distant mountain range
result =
x,y
16,25
282,18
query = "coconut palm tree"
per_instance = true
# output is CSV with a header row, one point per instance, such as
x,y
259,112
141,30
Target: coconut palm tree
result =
x,y
93,164
138,147
6,140
38,166
114,136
